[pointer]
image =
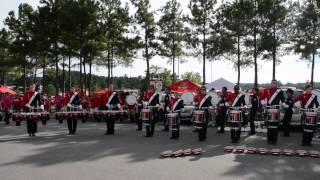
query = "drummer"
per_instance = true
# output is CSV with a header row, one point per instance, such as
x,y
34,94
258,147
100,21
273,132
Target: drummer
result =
x,y
113,104
166,101
307,101
222,109
273,95
131,104
33,102
202,102
139,108
174,106
151,99
73,100
255,102
288,105
236,100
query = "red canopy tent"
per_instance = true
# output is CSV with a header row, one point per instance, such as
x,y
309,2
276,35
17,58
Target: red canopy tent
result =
x,y
6,89
102,91
185,86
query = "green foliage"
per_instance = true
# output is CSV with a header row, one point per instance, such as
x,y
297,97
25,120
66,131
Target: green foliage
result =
x,y
171,29
144,21
198,33
50,90
194,77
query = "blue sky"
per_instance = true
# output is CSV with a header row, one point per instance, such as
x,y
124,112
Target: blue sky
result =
x,y
290,70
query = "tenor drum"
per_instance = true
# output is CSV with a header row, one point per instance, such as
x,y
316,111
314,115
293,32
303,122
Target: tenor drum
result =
x,y
273,114
310,118
35,116
234,116
45,116
146,114
172,118
198,116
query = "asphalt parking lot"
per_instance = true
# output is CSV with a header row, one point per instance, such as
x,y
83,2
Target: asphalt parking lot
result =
x,y
91,155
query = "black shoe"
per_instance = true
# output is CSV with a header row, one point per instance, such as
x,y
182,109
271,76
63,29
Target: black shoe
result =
x,y
33,135
29,134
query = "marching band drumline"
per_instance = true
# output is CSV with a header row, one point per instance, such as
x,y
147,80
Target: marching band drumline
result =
x,y
147,109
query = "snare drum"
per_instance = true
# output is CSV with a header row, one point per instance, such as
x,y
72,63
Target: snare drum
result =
x,y
273,114
198,116
310,118
229,149
45,116
288,152
302,153
275,152
172,119
146,114
34,116
251,150
234,116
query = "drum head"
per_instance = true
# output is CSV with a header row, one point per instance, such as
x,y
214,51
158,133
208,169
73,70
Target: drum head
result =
x,y
187,98
131,99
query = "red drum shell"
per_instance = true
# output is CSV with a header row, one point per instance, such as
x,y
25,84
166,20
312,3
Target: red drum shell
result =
x,y
234,116
198,116
229,149
273,114
146,114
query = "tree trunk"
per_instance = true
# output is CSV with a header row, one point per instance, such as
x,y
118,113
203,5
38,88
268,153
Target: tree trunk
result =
x,y
81,81
35,71
204,60
44,74
112,79
255,57
69,73
173,70
239,59
63,75
147,58
90,74
109,68
84,74
57,76
274,54
312,68
25,75
3,78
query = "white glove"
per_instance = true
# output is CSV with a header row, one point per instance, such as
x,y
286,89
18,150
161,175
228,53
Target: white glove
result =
x,y
168,109
285,105
42,107
69,105
28,106
227,104
109,106
80,107
297,104
263,102
119,107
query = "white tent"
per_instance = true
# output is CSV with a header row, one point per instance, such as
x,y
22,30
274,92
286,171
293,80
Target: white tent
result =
x,y
219,83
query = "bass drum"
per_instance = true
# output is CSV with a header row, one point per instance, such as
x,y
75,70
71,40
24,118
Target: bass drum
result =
x,y
215,98
131,99
187,98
